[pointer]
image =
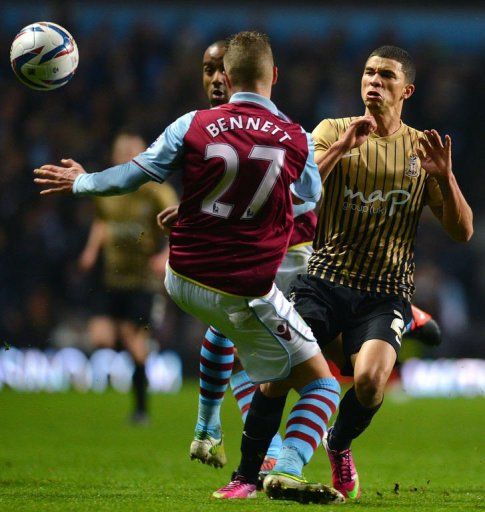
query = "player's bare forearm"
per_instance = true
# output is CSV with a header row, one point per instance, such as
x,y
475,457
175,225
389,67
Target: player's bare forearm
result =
x,y
327,160
457,216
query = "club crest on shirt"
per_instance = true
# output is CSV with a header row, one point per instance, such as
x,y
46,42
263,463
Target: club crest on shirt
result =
x,y
412,170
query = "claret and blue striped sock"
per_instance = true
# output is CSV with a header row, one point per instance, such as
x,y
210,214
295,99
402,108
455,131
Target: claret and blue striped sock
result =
x,y
243,390
307,423
216,361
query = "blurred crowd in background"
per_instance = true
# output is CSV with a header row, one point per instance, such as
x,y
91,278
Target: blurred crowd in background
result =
x,y
144,78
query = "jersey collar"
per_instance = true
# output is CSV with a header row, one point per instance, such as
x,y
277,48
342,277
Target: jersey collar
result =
x,y
252,97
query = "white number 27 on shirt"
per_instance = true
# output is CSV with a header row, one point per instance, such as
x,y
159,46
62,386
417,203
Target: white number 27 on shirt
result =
x,y
211,203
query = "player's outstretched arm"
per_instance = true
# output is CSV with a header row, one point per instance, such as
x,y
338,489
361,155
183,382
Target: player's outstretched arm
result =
x,y
455,215
355,135
72,178
58,179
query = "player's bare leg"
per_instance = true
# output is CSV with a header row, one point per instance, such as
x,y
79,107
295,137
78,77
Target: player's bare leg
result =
x,y
102,332
372,367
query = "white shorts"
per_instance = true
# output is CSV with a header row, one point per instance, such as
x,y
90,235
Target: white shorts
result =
x,y
294,263
269,334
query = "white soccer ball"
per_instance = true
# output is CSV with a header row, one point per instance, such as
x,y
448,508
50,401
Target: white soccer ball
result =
x,y
44,56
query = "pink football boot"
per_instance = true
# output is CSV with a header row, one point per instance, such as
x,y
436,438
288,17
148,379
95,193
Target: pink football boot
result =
x,y
344,474
236,489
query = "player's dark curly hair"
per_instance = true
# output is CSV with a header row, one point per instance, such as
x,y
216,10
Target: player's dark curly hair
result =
x,y
399,55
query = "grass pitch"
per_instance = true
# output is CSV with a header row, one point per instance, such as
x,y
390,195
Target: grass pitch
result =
x,y
75,452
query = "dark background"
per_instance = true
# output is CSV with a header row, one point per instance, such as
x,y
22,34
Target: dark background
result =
x,y
140,66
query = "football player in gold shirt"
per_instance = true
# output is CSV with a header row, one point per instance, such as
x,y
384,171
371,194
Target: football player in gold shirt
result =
x,y
378,174
134,256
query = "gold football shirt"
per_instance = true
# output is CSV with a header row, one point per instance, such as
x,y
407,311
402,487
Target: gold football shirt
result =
x,y
132,234
371,204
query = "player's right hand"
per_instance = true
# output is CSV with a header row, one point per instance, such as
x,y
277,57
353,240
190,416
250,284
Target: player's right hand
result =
x,y
58,179
167,217
358,132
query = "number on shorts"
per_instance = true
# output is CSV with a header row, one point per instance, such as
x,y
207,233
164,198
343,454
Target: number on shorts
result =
x,y
397,325
211,203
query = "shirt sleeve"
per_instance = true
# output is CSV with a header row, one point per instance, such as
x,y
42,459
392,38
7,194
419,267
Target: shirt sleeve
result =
x,y
164,156
309,185
300,209
117,180
324,135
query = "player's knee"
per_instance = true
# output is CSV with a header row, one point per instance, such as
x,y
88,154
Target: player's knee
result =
x,y
369,387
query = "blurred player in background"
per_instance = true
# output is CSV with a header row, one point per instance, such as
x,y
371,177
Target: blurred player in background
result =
x,y
232,232
378,175
134,254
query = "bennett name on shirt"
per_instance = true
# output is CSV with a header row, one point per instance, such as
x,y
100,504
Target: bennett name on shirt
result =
x,y
223,124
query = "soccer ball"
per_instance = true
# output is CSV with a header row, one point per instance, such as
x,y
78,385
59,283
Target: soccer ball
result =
x,y
44,56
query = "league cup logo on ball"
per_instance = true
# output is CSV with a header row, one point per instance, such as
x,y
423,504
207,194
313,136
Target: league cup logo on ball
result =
x,y
44,56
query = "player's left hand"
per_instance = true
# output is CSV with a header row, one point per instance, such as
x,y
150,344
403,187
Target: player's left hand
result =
x,y
58,179
167,218
435,157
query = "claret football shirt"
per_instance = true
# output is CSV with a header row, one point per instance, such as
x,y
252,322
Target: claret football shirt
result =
x,y
239,162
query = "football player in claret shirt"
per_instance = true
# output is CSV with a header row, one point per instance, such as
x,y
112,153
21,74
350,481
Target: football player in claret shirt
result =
x,y
239,162
219,364
378,175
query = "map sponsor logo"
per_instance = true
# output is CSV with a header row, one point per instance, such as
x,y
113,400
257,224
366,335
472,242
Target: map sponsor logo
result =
x,y
377,202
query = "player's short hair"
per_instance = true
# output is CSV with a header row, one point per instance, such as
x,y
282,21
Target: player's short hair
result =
x,y
399,55
248,58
